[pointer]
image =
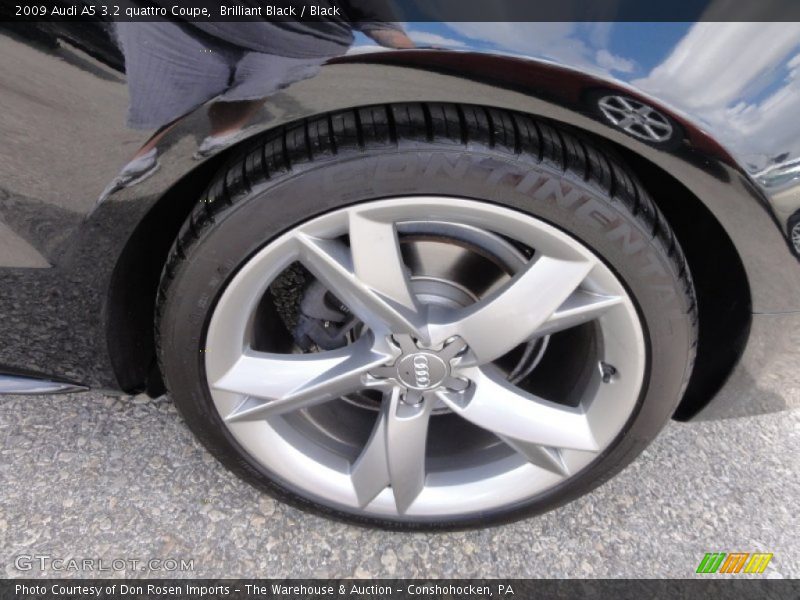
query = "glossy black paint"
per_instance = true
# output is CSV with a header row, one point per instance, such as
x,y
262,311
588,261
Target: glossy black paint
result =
x,y
79,271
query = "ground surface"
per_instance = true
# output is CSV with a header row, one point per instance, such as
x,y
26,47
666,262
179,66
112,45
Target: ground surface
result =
x,y
87,476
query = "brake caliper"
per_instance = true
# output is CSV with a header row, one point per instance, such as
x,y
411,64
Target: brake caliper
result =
x,y
323,321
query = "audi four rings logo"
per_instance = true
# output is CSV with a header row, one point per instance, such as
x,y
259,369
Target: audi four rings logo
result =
x,y
422,371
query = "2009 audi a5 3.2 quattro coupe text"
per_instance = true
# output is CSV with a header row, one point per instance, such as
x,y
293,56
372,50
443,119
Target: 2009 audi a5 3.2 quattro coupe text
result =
x,y
428,274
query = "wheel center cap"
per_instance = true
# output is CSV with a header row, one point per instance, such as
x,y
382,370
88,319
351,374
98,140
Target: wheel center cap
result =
x,y
421,371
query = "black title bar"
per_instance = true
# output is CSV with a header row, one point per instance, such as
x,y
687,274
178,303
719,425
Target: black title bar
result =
x,y
405,10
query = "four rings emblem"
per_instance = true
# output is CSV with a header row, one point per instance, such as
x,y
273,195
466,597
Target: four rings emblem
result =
x,y
421,370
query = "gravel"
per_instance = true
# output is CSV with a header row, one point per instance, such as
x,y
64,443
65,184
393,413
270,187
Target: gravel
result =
x,y
90,476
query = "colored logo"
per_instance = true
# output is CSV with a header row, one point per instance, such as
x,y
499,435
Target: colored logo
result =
x,y
735,562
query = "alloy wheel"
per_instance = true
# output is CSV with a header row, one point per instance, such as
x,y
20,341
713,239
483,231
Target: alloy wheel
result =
x,y
487,357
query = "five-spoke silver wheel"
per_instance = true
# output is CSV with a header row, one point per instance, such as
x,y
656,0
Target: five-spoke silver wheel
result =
x,y
484,356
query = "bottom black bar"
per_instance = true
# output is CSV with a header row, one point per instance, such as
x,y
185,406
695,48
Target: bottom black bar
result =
x,y
398,589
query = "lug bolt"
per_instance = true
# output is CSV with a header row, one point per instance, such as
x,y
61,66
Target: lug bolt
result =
x,y
607,372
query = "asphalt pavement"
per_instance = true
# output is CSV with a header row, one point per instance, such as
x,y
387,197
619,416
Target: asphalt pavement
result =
x,y
86,476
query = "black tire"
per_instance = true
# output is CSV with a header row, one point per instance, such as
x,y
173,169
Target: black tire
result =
x,y
342,158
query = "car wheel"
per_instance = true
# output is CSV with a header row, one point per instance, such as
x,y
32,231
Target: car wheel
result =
x,y
426,315
635,118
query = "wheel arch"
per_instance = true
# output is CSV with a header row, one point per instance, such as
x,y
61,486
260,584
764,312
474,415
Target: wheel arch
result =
x,y
723,324
721,284
130,317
